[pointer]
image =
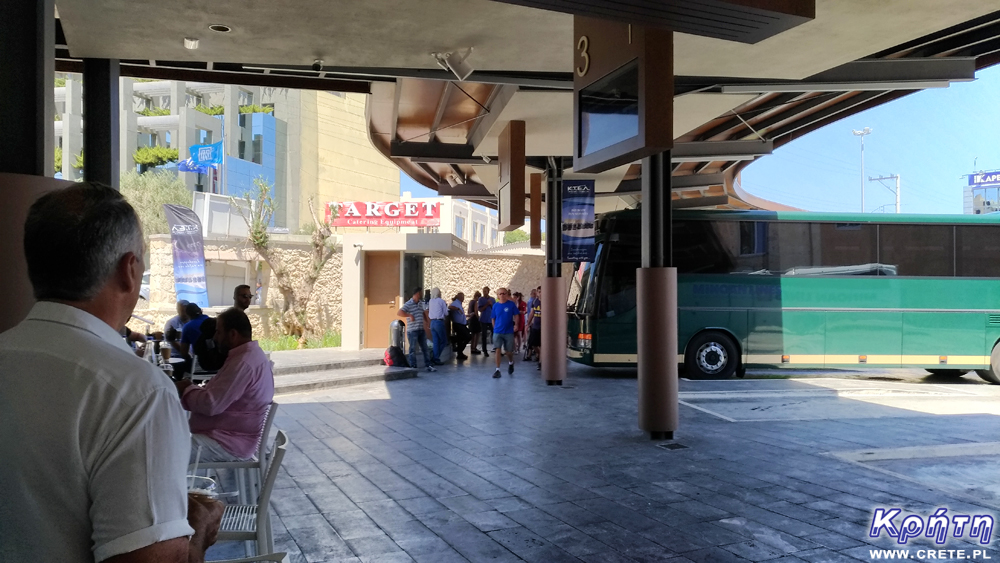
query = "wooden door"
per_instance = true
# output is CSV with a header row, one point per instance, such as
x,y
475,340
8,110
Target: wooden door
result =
x,y
381,296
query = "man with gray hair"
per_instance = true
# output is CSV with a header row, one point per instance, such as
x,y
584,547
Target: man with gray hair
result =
x,y
437,310
97,440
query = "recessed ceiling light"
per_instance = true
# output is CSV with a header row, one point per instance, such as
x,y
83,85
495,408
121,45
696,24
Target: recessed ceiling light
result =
x,y
220,28
190,43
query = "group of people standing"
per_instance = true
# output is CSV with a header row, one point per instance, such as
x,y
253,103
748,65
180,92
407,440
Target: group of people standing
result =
x,y
508,320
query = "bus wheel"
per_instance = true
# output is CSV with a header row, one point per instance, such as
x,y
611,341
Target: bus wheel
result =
x,y
948,372
711,355
993,373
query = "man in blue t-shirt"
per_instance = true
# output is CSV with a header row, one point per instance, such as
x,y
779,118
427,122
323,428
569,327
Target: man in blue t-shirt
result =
x,y
502,316
190,334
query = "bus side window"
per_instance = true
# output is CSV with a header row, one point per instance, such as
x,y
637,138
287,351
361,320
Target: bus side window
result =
x,y
918,250
618,281
978,248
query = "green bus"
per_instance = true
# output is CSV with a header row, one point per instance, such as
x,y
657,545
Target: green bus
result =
x,y
802,290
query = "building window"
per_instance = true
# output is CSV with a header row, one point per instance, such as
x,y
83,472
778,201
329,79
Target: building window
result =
x,y
494,238
246,98
460,227
475,231
482,233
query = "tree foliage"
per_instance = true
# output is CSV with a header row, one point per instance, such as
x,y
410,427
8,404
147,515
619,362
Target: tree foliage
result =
x,y
78,163
517,235
58,159
148,192
296,294
154,156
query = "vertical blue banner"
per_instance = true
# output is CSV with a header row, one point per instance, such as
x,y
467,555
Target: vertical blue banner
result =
x,y
578,221
190,282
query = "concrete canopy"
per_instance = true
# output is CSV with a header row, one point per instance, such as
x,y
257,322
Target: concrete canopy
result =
x,y
435,129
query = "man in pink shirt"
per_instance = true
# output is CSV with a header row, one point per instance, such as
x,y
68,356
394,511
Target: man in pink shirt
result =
x,y
227,414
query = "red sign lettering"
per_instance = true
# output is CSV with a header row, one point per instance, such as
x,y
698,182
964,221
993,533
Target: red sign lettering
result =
x,y
385,214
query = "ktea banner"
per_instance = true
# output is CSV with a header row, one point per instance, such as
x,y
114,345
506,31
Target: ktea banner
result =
x,y
984,179
578,221
190,281
206,155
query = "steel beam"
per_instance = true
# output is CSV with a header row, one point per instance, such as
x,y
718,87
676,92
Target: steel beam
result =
x,y
102,109
27,39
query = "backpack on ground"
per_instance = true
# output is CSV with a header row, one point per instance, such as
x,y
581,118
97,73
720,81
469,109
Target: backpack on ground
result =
x,y
210,358
394,357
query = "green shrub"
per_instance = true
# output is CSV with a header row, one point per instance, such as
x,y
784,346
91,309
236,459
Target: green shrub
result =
x,y
58,159
148,192
150,112
154,156
213,110
254,108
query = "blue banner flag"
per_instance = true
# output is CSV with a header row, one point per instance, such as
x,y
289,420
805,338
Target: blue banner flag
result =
x,y
206,155
190,282
578,221
190,166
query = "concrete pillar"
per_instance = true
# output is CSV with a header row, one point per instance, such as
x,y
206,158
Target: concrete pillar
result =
x,y
128,126
101,133
231,101
72,130
27,75
553,288
178,97
656,289
352,294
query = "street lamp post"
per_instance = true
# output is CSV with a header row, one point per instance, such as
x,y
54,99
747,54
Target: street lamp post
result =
x,y
862,133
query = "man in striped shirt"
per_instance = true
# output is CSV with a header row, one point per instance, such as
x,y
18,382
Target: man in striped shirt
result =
x,y
417,328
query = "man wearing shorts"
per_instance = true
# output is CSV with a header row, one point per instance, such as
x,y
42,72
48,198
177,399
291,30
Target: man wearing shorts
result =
x,y
503,314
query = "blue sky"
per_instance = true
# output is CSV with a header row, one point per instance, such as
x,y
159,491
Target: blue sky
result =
x,y
931,139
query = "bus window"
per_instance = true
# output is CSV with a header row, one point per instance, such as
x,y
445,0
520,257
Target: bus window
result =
x,y
699,248
824,249
618,283
918,250
978,248
583,286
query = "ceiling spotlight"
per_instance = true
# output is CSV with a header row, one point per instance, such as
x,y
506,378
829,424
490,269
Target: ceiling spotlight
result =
x,y
190,43
455,62
220,28
487,159
453,180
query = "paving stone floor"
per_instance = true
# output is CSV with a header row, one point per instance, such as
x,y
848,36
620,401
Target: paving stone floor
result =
x,y
456,466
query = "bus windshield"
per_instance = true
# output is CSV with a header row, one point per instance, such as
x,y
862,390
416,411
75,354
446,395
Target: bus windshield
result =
x,y
583,286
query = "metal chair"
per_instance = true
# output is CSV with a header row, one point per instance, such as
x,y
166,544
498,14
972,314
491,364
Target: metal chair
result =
x,y
274,558
247,480
252,522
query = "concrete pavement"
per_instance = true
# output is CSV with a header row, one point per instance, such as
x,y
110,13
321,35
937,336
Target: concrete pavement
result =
x,y
457,466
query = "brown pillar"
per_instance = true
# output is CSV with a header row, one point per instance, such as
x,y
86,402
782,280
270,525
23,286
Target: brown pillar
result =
x,y
656,289
553,288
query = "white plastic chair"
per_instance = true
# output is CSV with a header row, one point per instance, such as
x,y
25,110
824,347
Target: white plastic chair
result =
x,y
247,479
252,522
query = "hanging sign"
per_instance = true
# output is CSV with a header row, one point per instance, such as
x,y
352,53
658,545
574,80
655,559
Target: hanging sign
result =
x,y
190,282
984,179
578,221
385,214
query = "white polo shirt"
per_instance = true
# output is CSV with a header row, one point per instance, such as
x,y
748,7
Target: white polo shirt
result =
x,y
95,442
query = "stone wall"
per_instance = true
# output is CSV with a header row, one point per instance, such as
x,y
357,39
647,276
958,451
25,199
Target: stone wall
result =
x,y
324,307
470,273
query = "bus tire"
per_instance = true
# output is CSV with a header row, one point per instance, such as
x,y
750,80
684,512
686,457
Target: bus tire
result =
x,y
991,374
711,355
947,372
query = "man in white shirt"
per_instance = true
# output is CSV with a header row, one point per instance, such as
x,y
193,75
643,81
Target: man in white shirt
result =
x,y
96,441
437,310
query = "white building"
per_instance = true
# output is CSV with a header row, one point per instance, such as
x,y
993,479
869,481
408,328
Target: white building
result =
x,y
474,224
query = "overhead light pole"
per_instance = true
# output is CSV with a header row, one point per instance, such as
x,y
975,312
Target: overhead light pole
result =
x,y
862,133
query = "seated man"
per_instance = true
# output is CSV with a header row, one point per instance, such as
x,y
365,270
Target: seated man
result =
x,y
190,334
173,327
227,414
